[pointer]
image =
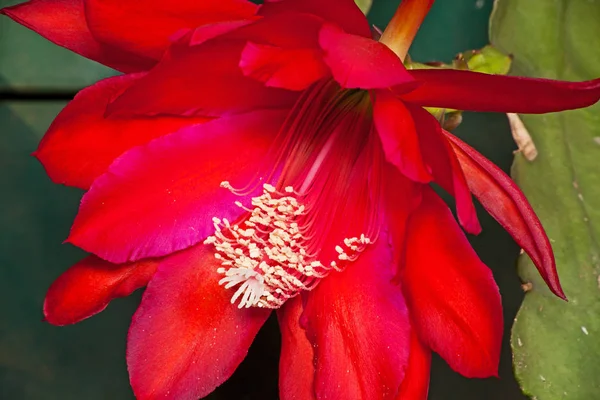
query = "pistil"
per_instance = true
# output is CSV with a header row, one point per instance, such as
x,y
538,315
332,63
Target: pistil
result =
x,y
405,23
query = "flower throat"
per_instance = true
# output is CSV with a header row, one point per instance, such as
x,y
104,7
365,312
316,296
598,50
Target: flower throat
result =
x,y
322,211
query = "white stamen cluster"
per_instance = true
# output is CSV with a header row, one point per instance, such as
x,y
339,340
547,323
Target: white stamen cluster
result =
x,y
266,256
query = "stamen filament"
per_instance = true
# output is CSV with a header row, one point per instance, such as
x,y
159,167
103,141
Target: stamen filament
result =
x,y
267,258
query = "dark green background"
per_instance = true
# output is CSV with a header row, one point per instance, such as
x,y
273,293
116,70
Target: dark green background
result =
x,y
87,361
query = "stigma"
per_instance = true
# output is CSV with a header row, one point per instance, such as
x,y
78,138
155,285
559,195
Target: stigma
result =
x,y
266,256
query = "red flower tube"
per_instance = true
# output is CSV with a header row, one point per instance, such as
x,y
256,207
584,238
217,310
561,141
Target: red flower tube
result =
x,y
278,158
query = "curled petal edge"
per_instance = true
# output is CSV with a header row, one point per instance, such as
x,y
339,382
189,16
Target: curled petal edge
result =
x,y
503,199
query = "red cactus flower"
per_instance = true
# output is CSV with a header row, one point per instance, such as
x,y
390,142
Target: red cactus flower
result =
x,y
279,158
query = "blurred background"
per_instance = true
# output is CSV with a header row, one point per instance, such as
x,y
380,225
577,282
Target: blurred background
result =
x,y
87,361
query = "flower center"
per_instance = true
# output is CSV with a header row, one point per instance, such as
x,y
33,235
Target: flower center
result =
x,y
266,253
321,213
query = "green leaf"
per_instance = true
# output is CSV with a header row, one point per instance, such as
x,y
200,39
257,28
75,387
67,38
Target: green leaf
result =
x,y
364,5
488,60
557,344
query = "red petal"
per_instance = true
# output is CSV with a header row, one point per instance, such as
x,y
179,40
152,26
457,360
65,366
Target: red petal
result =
x,y
81,144
358,62
160,198
206,32
145,28
286,30
445,167
503,199
87,287
296,369
343,13
294,69
467,90
398,134
401,197
186,338
199,80
453,299
63,23
358,324
415,385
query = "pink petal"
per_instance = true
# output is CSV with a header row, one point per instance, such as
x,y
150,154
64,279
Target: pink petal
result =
x,y
467,90
186,338
161,197
445,168
359,62
343,13
81,144
453,300
63,23
185,83
398,134
144,28
415,385
87,287
293,69
503,199
358,324
296,369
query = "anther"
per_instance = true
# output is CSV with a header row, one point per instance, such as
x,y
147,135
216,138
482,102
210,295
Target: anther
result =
x,y
265,254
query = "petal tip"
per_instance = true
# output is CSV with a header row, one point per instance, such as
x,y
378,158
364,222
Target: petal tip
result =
x,y
562,296
48,316
558,291
7,11
470,222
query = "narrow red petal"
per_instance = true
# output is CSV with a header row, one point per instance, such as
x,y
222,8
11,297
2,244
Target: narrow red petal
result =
x,y
87,287
445,168
359,62
190,85
467,90
296,368
186,338
63,23
293,69
398,134
503,199
161,197
415,385
453,300
145,28
358,325
343,13
81,144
